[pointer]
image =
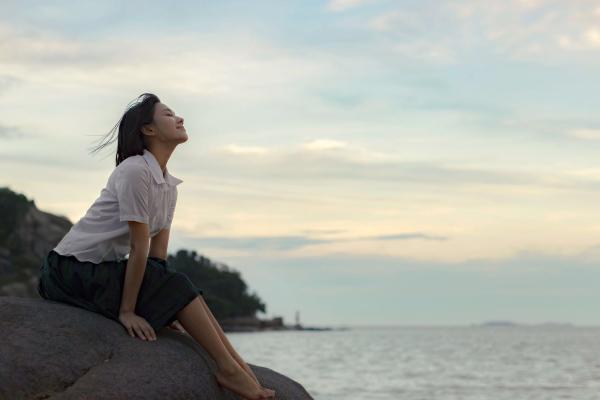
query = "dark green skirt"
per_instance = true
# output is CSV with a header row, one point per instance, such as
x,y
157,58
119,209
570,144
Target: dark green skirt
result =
x,y
99,287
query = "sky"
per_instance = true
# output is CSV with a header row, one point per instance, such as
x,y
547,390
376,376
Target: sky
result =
x,y
361,162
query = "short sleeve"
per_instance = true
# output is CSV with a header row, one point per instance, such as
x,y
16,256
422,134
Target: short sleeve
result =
x,y
171,210
133,190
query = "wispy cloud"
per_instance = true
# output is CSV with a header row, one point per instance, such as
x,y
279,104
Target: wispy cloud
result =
x,y
397,19
251,67
293,242
530,28
31,47
325,160
8,82
341,5
519,29
325,144
406,236
585,134
11,132
585,40
237,149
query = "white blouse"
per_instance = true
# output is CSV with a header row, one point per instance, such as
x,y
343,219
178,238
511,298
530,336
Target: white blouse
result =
x,y
136,190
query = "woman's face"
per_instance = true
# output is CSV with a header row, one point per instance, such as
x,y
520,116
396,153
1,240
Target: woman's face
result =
x,y
167,126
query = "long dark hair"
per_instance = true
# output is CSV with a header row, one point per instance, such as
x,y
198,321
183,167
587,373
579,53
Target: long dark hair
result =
x,y
130,140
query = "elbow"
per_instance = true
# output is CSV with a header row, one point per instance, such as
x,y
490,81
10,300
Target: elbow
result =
x,y
139,249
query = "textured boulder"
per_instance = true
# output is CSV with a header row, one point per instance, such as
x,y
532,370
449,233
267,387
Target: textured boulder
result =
x,y
51,350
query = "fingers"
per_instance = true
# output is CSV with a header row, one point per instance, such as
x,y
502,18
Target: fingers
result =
x,y
139,327
138,330
150,332
147,333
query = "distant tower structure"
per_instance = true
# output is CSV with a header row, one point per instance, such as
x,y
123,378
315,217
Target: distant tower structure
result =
x,y
297,319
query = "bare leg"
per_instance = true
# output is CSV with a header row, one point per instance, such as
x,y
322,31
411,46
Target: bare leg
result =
x,y
197,323
226,342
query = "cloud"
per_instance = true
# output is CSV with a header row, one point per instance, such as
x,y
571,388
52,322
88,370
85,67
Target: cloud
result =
x,y
292,242
555,127
395,20
323,160
7,82
287,242
519,29
324,144
316,148
21,47
585,134
590,174
11,132
326,159
529,28
436,53
408,33
237,149
586,40
341,5
323,231
242,66
405,236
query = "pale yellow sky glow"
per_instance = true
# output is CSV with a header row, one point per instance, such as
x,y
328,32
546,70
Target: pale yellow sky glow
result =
x,y
461,137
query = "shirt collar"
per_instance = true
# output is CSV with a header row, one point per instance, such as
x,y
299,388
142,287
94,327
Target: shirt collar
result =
x,y
157,172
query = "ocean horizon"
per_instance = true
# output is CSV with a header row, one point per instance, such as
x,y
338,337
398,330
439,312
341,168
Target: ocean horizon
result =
x,y
433,362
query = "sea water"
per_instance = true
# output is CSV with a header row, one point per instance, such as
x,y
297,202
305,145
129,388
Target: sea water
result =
x,y
441,363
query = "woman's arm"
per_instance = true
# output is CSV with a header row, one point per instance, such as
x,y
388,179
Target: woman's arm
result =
x,y
136,264
134,274
158,248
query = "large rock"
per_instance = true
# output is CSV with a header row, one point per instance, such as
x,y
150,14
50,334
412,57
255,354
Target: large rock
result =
x,y
52,350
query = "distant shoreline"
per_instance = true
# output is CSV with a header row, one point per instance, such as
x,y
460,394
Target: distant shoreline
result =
x,y
255,324
470,325
483,325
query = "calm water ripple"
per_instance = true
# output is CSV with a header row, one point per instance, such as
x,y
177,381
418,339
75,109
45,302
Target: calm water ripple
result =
x,y
446,363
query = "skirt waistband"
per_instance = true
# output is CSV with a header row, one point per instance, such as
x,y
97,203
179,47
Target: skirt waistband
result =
x,y
53,253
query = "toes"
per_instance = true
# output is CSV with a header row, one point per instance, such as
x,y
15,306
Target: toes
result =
x,y
269,394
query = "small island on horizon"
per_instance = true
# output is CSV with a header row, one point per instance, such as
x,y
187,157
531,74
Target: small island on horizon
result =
x,y
255,324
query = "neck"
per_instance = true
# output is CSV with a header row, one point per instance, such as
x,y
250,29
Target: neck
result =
x,y
162,155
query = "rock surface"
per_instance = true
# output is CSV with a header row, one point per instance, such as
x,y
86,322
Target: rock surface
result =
x,y
52,350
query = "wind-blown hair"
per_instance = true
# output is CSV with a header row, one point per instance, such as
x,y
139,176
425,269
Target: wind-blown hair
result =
x,y
130,139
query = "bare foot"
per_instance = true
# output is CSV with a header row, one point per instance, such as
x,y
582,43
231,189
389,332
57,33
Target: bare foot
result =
x,y
238,381
248,370
269,393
